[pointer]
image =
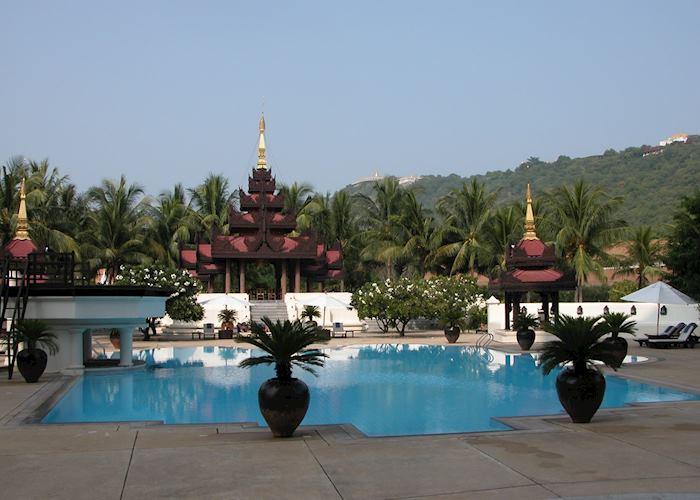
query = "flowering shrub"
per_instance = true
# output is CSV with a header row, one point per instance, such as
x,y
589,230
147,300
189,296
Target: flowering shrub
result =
x,y
393,303
450,299
182,304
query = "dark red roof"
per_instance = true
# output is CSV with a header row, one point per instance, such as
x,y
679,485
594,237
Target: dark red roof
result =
x,y
532,248
537,275
20,248
188,257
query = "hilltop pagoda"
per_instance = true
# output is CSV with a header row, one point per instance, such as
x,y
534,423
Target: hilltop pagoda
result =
x,y
261,232
530,267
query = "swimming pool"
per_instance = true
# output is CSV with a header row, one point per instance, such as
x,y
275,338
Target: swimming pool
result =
x,y
383,390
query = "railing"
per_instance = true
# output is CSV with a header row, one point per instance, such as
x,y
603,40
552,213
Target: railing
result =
x,y
54,269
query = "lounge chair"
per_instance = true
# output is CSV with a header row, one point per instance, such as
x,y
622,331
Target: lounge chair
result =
x,y
671,332
685,339
339,330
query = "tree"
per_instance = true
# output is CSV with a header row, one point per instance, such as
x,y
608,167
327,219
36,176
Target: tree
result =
x,y
683,255
643,256
461,236
585,216
379,213
296,196
181,305
172,223
116,227
503,229
211,201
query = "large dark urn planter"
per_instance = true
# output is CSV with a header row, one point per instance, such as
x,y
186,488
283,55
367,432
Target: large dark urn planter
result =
x,y
525,338
580,395
452,334
31,363
618,347
283,404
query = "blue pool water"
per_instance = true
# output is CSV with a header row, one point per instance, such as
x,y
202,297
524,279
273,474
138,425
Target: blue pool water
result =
x,y
383,390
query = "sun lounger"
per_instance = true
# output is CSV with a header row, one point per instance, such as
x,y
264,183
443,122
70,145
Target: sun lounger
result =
x,y
671,332
685,339
339,330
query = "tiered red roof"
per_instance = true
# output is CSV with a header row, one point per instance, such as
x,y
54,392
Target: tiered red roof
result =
x,y
259,230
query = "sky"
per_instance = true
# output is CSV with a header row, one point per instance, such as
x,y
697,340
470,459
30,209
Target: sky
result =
x,y
169,91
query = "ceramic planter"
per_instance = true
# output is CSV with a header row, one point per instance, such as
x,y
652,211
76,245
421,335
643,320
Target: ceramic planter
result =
x,y
452,334
618,347
525,338
580,394
31,363
283,404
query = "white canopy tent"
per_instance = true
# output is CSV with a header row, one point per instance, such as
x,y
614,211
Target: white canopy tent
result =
x,y
327,302
659,293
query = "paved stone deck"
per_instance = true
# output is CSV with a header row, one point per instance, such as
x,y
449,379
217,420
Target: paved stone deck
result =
x,y
636,451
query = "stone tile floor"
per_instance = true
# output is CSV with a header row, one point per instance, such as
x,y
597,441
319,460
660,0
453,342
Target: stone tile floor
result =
x,y
650,451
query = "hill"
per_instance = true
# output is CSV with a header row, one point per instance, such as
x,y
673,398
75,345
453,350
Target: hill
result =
x,y
652,184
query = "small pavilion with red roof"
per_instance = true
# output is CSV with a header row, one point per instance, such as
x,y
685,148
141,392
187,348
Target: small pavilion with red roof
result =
x,y
260,231
21,245
530,267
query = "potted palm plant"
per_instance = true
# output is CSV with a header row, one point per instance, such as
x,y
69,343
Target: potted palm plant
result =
x,y
32,360
615,324
309,313
452,320
227,317
524,324
284,399
580,385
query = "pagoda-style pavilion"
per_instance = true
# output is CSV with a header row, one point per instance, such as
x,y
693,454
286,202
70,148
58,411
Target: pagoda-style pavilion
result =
x,y
260,231
530,268
21,245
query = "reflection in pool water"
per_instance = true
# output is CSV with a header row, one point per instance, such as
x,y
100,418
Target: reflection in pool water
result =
x,y
382,389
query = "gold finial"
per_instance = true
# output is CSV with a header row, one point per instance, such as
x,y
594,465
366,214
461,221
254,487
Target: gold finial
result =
x,y
262,162
530,233
22,232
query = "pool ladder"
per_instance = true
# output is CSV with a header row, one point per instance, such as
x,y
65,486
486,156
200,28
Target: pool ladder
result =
x,y
485,340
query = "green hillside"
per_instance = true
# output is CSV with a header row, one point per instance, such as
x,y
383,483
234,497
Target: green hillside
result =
x,y
652,185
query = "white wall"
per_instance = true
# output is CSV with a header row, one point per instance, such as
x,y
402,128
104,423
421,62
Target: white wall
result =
x,y
645,317
295,305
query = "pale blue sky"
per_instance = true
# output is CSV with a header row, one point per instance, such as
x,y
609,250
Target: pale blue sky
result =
x,y
167,91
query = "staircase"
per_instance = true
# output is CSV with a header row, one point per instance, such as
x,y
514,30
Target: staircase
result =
x,y
13,295
274,309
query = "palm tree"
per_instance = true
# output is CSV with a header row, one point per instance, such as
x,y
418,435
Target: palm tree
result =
x,y
172,223
643,256
296,197
316,215
117,226
461,236
286,346
503,229
379,214
211,201
585,216
56,213
409,242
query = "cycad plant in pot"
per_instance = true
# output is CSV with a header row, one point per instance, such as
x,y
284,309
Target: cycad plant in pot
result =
x,y
616,323
284,399
524,325
580,384
32,360
227,317
452,320
309,313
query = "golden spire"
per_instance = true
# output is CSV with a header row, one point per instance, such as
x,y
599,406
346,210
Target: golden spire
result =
x,y
529,218
262,162
22,232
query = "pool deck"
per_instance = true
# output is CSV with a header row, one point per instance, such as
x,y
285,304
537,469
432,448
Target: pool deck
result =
x,y
638,451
